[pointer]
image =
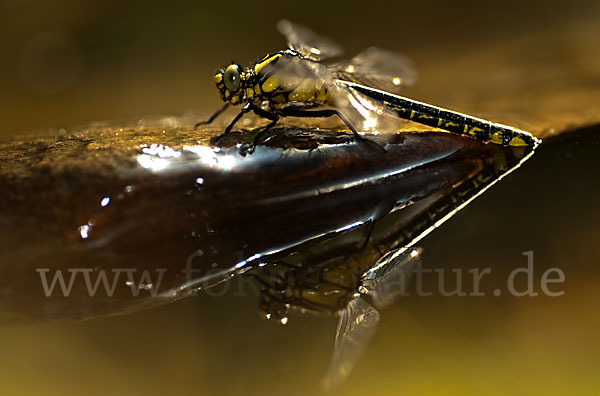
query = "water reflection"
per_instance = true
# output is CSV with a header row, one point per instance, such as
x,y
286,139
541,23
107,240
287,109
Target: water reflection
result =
x,y
346,278
166,221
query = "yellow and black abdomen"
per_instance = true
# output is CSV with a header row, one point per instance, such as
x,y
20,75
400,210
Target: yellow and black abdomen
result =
x,y
448,120
286,77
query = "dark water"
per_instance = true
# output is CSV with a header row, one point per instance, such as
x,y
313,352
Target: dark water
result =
x,y
190,218
216,343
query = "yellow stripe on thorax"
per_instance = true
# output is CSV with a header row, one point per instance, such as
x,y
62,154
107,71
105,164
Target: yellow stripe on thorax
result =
x,y
262,64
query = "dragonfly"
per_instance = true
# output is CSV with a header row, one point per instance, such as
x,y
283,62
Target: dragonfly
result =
x,y
362,91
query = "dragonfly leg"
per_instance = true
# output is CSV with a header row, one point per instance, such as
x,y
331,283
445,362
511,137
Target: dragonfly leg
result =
x,y
265,114
245,109
270,116
212,117
260,135
368,234
293,112
298,112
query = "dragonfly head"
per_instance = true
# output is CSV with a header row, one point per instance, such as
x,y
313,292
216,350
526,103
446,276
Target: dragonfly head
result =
x,y
231,83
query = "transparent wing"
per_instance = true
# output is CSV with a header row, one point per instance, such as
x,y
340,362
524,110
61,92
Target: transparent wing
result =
x,y
296,74
362,112
358,321
389,277
356,326
307,42
377,68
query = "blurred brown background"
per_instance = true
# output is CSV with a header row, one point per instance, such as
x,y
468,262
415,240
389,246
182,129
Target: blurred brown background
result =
x,y
68,63
526,63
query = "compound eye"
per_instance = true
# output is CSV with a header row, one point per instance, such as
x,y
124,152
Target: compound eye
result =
x,y
232,78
